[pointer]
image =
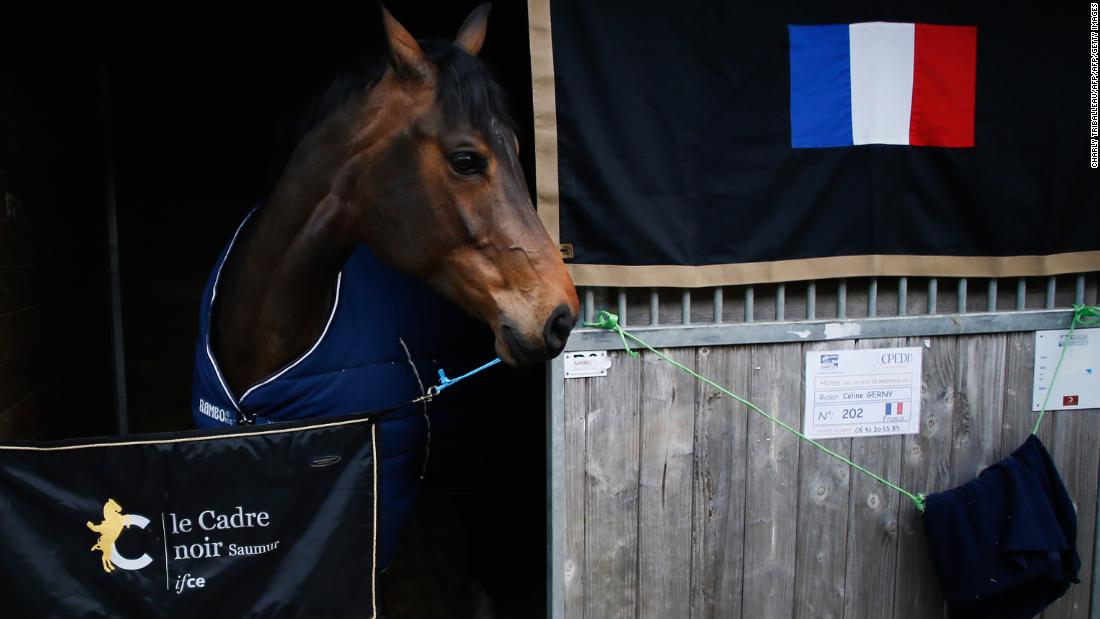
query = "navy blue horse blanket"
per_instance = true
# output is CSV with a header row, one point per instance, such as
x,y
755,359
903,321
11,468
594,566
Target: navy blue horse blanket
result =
x,y
356,365
1005,544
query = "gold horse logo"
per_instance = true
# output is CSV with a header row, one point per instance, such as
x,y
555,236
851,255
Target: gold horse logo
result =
x,y
113,523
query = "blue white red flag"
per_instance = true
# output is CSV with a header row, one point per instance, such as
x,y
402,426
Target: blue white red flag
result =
x,y
882,83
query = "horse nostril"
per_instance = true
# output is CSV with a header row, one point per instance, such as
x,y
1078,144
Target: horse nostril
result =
x,y
557,329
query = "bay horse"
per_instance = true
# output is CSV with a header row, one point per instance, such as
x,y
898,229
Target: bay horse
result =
x,y
407,188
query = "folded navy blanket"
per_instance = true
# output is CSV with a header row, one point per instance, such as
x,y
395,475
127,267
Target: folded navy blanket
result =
x,y
1004,544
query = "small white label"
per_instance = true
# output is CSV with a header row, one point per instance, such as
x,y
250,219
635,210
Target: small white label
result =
x,y
585,363
856,393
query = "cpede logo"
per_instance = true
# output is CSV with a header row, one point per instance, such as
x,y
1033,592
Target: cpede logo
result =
x,y
112,525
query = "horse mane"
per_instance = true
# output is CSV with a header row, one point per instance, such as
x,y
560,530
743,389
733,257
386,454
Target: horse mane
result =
x,y
466,89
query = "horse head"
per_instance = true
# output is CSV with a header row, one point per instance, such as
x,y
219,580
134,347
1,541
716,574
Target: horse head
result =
x,y
111,509
446,199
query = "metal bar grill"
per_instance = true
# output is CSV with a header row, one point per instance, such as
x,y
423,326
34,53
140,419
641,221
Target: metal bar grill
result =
x,y
654,307
777,305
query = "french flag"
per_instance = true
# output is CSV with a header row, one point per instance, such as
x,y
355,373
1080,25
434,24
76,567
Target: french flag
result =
x,y
882,83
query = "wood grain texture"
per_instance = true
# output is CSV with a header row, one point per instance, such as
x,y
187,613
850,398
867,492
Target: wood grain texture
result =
x,y
718,537
821,556
772,485
1076,435
979,393
576,410
681,503
873,521
926,460
665,486
1017,418
611,507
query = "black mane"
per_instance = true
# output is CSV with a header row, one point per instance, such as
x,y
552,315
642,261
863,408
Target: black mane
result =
x,y
466,89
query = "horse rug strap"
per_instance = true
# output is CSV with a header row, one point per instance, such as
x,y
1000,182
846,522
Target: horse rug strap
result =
x,y
1005,544
258,521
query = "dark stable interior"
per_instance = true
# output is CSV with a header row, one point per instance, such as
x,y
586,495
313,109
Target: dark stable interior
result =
x,y
181,118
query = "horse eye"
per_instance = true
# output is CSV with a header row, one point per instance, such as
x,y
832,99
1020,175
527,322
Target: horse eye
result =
x,y
467,162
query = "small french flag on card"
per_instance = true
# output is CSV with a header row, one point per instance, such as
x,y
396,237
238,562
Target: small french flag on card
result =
x,y
882,83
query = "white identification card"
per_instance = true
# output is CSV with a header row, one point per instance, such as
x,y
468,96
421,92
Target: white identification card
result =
x,y
854,393
1078,382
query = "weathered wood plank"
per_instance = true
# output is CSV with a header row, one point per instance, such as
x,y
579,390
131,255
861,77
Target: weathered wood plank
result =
x,y
976,427
664,493
1076,435
978,411
772,484
925,468
821,554
1018,419
611,498
1062,435
576,411
873,521
718,532
760,528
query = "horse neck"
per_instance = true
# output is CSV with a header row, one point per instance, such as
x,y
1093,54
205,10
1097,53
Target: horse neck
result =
x,y
277,286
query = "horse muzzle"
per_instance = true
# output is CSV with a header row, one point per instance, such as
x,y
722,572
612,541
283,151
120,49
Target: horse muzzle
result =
x,y
518,348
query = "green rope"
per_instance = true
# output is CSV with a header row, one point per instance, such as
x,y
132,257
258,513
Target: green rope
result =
x,y
609,321
1085,316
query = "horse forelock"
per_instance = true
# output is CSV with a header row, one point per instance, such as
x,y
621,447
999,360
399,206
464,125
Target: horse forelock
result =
x,y
466,91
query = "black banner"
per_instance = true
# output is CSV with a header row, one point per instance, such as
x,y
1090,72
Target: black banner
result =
x,y
704,143
265,521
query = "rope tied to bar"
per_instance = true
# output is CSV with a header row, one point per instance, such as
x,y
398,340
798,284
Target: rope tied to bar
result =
x,y
1083,316
609,321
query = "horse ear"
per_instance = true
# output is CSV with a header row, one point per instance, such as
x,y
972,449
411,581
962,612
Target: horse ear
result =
x,y
472,33
405,54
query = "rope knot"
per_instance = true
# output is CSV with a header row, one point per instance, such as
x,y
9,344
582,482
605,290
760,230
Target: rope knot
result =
x,y
1085,315
609,321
